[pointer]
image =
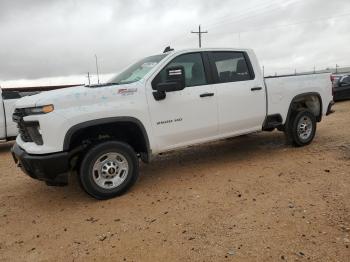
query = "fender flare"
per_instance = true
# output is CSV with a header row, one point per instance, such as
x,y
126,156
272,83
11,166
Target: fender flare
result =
x,y
319,118
72,130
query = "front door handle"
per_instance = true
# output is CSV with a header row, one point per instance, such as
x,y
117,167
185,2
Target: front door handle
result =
x,y
257,88
206,94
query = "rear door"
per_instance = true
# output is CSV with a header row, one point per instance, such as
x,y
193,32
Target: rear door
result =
x,y
187,116
241,95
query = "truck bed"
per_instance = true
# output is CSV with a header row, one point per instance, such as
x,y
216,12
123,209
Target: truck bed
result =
x,y
282,89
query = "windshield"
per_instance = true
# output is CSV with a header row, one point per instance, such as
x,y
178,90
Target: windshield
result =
x,y
137,71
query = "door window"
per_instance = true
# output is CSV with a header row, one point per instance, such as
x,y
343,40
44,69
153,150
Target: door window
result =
x,y
346,80
194,70
231,67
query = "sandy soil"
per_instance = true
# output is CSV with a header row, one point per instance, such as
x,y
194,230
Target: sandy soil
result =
x,y
245,199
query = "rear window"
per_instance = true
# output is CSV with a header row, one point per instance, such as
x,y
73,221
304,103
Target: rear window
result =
x,y
231,66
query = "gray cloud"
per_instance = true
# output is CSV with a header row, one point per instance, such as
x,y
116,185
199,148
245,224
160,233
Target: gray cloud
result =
x,y
55,38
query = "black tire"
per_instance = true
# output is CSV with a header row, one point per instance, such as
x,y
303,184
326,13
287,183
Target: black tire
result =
x,y
292,131
86,174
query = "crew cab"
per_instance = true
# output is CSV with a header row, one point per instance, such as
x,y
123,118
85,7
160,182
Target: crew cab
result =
x,y
161,103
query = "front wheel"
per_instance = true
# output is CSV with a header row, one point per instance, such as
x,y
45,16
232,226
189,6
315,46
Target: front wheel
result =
x,y
108,169
302,128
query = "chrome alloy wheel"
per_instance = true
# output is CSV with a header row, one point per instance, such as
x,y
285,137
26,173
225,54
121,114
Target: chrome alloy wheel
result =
x,y
110,170
304,128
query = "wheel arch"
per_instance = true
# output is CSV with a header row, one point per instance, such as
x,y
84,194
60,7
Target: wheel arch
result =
x,y
302,98
100,123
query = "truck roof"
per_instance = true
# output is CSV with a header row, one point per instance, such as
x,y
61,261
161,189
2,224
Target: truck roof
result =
x,y
208,49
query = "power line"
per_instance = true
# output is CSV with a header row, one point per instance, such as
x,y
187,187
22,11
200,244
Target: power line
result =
x,y
287,25
251,13
247,11
199,35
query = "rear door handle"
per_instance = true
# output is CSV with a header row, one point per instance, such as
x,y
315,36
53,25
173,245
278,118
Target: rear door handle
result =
x,y
206,94
257,88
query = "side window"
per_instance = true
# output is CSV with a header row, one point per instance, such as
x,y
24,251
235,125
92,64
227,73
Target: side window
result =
x,y
11,95
346,80
194,70
231,66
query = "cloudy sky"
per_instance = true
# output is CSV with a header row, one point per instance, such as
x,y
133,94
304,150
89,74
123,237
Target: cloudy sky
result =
x,y
54,42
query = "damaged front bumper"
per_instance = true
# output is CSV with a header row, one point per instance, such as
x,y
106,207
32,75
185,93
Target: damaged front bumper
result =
x,y
51,168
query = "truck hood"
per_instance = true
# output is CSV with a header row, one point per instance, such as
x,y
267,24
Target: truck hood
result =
x,y
72,96
33,100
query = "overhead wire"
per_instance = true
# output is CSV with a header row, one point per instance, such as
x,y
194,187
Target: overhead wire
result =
x,y
250,13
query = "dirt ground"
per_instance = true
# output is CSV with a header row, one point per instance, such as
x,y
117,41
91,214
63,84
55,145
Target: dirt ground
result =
x,y
250,198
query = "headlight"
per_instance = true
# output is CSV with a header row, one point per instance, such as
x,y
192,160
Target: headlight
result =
x,y
39,110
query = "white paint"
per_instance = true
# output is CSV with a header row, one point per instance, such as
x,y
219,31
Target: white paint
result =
x,y
282,90
7,108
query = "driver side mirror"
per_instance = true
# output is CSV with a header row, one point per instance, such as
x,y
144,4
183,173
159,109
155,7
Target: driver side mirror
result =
x,y
175,81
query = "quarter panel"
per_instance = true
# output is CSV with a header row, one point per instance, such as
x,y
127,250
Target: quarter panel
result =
x,y
282,90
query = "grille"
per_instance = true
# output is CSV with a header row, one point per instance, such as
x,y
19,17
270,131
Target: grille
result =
x,y
17,117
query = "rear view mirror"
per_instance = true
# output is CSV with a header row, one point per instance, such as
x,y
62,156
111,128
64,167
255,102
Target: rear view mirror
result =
x,y
175,81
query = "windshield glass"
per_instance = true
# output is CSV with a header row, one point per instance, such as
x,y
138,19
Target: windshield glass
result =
x,y
137,71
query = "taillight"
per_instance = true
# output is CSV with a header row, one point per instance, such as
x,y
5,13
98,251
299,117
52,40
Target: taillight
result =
x,y
332,78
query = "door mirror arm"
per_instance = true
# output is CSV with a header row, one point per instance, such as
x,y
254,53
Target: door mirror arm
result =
x,y
159,95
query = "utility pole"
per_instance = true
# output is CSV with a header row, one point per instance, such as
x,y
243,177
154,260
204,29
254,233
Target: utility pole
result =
x,y
88,76
200,32
336,68
314,69
263,71
98,76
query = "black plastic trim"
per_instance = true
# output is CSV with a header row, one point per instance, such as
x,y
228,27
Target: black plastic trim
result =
x,y
272,121
206,94
319,118
109,120
51,168
329,108
207,68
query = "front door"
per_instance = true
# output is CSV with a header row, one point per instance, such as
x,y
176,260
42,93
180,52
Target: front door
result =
x,y
187,116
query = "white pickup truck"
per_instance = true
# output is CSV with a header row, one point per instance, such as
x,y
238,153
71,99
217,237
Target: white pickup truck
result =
x,y
161,103
8,128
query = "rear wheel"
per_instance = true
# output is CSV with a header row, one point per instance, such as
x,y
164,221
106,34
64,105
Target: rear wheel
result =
x,y
302,128
108,169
